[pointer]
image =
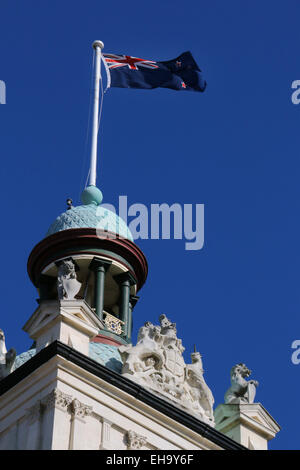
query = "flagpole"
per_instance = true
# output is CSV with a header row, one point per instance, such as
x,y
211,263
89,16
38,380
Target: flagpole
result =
x,y
98,46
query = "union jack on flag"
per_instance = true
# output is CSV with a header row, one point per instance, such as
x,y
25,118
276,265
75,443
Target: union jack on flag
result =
x,y
127,71
114,61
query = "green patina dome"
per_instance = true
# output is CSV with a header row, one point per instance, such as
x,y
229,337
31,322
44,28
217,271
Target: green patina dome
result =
x,y
91,215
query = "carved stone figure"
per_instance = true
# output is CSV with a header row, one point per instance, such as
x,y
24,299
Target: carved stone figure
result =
x,y
156,362
241,390
201,395
135,358
67,284
7,358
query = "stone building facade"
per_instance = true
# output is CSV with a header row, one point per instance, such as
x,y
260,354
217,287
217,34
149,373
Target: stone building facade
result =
x,y
83,384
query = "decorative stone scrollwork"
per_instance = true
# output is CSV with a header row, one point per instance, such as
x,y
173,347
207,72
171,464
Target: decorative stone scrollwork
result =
x,y
156,362
67,284
241,390
58,399
79,410
135,441
113,324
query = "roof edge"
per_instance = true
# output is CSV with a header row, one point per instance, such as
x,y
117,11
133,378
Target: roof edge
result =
x,y
117,380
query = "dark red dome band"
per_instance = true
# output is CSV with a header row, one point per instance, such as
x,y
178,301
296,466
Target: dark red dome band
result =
x,y
74,241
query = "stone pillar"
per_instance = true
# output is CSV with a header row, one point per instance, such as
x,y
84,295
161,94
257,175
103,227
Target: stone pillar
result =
x,y
247,423
33,438
56,421
79,428
105,435
132,303
125,280
99,267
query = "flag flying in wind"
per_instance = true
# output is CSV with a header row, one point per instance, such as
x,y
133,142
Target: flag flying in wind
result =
x,y
181,73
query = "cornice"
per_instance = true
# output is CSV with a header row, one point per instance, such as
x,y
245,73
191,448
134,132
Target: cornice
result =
x,y
126,385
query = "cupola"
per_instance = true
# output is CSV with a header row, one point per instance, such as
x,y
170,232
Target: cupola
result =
x,y
89,254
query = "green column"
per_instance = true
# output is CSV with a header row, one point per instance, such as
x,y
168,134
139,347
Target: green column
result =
x,y
132,302
46,287
99,267
125,280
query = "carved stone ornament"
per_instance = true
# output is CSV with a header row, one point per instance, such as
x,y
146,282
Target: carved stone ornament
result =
x,y
241,390
135,441
67,284
80,410
58,399
156,362
7,358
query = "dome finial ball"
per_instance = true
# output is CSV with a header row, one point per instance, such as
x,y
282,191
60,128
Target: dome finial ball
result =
x,y
91,195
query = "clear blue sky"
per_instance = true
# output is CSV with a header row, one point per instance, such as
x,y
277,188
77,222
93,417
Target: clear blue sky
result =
x,y
234,148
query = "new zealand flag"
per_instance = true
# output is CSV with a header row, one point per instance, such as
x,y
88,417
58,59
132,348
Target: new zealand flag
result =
x,y
181,73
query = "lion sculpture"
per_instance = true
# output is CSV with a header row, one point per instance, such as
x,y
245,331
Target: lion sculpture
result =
x,y
241,390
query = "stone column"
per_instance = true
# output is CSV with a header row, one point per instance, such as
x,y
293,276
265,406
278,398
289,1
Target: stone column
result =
x,y
105,435
99,267
33,438
56,421
79,429
125,280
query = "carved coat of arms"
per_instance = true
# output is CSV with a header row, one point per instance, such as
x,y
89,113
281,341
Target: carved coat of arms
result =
x,y
174,363
156,362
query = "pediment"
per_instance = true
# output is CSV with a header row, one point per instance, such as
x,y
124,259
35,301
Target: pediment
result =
x,y
72,311
251,414
39,320
259,414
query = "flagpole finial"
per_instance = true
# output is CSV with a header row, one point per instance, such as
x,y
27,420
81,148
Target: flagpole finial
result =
x,y
98,44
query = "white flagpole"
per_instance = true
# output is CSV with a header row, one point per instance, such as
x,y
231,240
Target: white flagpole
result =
x,y
98,46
